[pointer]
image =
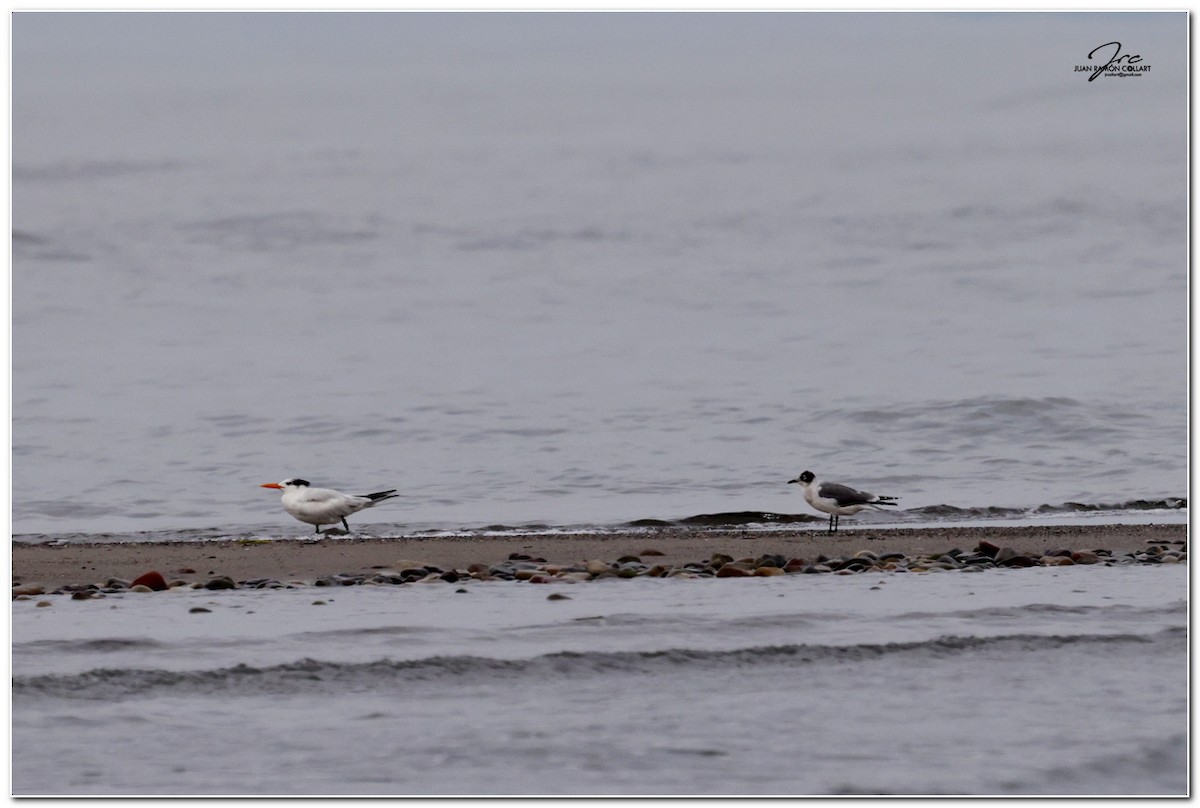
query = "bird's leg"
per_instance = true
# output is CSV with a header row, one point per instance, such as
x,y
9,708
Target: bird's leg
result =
x,y
317,528
345,525
830,523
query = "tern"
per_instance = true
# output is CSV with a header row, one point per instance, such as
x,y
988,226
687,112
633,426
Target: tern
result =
x,y
323,506
837,500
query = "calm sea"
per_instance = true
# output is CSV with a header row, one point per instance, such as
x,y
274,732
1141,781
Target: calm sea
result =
x,y
582,269
1056,680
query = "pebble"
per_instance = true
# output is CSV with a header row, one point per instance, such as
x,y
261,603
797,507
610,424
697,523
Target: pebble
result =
x,y
527,569
1016,561
1003,554
42,603
153,580
987,548
199,610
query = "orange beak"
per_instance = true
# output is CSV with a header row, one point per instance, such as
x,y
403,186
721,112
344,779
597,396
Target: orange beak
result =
x,y
271,485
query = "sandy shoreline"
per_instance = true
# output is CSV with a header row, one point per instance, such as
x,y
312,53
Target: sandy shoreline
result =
x,y
287,560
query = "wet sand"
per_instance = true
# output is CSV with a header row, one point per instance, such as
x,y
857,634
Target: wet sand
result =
x,y
286,560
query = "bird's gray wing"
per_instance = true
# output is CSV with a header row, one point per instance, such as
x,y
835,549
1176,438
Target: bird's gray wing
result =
x,y
844,495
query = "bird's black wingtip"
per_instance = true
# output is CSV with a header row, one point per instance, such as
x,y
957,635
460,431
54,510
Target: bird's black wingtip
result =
x,y
378,496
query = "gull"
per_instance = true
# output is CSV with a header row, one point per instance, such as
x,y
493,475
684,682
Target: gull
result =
x,y
837,500
323,506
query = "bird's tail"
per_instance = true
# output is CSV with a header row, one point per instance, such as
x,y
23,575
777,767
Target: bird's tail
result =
x,y
380,496
886,501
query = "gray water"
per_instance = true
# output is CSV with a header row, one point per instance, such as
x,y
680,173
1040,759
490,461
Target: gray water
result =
x,y
580,269
1038,681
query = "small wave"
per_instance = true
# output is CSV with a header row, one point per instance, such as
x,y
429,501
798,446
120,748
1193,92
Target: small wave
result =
x,y
1159,767
985,429
1166,503
27,245
140,536
320,676
374,631
280,230
100,645
972,409
747,518
956,512
923,513
91,169
1123,610
530,239
995,511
